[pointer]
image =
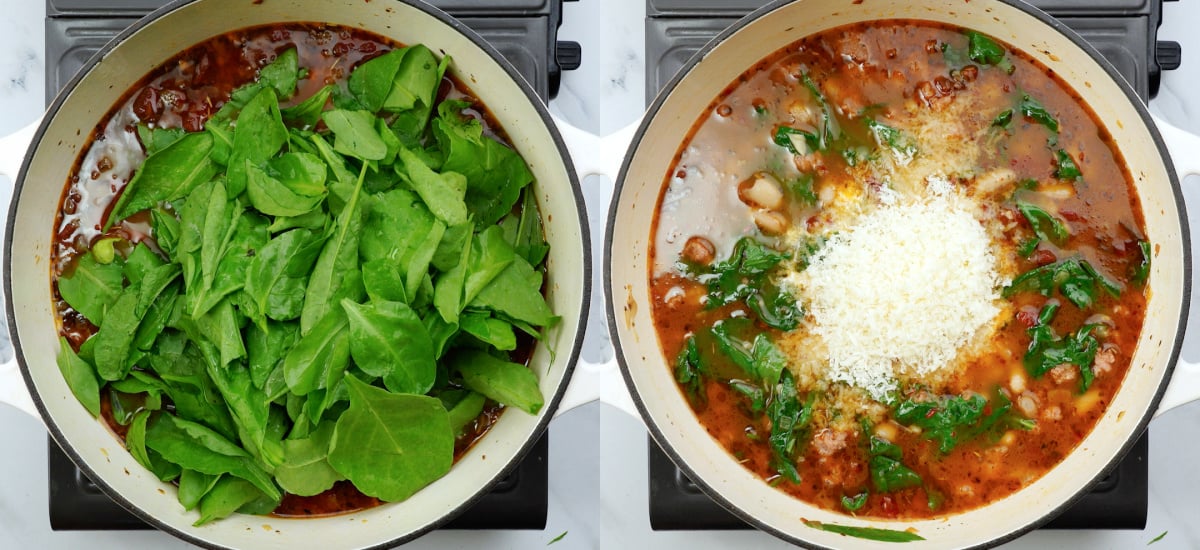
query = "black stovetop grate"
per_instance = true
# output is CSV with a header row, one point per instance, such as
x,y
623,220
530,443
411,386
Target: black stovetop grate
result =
x,y
524,31
1124,31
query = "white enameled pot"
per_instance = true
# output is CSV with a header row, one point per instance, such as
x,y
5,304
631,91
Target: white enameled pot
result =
x,y
1147,389
45,153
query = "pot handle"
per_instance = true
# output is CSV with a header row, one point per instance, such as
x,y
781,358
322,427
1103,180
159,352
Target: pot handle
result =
x,y
593,155
1184,148
12,153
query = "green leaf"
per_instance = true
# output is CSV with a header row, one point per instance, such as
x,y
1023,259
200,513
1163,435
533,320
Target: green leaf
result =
x,y
416,82
337,274
265,350
80,377
305,470
92,287
391,445
946,419
902,144
277,277
516,293
229,495
196,447
371,81
165,176
466,410
443,193
489,330
156,139
193,486
321,355
114,341
308,112
855,503
135,441
495,173
1156,539
558,538
887,472
1035,111
355,135
797,142
292,185
511,384
1141,270
1004,119
282,74
388,340
869,533
983,50
1067,169
250,409
689,370
788,418
259,134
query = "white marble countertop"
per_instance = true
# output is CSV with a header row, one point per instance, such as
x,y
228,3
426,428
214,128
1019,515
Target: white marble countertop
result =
x,y
598,477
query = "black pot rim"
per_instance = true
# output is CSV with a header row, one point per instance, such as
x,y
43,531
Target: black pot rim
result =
x,y
548,410
798,539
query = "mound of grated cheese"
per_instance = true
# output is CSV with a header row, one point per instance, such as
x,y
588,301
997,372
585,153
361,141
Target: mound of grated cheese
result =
x,y
901,291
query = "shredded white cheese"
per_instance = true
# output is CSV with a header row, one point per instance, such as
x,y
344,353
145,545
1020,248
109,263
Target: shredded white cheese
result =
x,y
901,291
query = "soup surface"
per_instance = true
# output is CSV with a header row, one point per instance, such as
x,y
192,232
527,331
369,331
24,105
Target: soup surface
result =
x,y
299,271
899,269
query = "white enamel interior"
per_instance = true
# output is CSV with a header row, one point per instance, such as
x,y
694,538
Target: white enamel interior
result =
x,y
650,376
31,230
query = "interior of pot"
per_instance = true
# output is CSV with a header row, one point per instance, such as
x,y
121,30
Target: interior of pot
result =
x,y
88,440
650,377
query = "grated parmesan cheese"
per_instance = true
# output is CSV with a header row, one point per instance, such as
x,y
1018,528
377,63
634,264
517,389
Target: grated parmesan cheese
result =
x,y
901,291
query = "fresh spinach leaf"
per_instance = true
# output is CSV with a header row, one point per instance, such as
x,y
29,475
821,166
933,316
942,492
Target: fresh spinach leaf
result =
x,y
495,174
259,134
388,340
165,176
305,470
193,486
465,411
308,112
265,350
337,274
92,287
196,447
511,384
354,134
489,330
282,74
277,277
229,495
371,81
156,139
391,445
516,293
320,356
985,51
442,193
80,377
114,341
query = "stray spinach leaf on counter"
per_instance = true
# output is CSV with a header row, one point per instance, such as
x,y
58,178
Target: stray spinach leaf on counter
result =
x,y
321,305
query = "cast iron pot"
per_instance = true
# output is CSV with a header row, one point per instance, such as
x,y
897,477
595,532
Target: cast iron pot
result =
x,y
56,142
1145,390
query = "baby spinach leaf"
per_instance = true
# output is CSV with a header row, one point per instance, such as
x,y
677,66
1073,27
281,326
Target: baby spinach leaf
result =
x,y
308,112
282,74
265,350
416,82
193,486
198,448
442,193
165,230
489,330
1141,270
391,445
387,339
530,242
371,81
114,341
1046,226
946,419
396,224
511,384
337,274
229,495
1035,111
220,327
168,175
869,533
135,442
250,409
465,410
156,139
887,472
788,418
92,287
383,281
80,377
985,51
305,470
260,134
448,293
495,174
278,273
1067,169
516,293
320,355
286,197
354,133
